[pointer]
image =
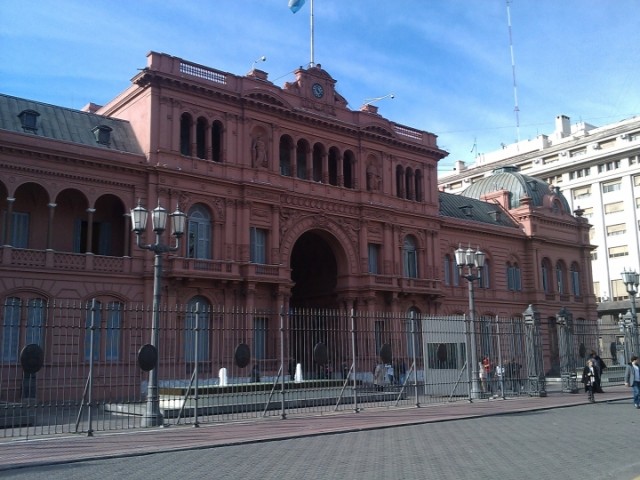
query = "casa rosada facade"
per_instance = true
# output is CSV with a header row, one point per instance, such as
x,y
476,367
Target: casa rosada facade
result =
x,y
292,199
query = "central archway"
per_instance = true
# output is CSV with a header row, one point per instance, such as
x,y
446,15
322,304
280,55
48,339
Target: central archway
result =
x,y
314,271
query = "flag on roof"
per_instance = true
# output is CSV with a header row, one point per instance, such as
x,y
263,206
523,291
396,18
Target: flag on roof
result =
x,y
295,5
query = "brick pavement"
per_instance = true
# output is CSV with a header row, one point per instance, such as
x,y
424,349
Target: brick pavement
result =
x,y
72,448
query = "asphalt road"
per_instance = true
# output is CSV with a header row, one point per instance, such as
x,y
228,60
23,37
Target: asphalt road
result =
x,y
589,441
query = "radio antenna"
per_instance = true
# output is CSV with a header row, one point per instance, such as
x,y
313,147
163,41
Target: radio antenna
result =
x,y
513,70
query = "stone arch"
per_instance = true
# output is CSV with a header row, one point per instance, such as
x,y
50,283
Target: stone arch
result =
x,y
340,242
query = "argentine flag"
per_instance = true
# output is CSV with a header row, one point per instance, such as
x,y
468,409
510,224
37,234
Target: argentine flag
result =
x,y
295,5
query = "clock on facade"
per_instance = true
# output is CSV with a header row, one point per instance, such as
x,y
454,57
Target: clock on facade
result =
x,y
317,89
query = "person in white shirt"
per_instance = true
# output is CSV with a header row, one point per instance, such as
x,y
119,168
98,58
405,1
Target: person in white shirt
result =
x,y
632,379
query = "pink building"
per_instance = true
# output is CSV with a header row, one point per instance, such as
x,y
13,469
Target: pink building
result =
x,y
293,199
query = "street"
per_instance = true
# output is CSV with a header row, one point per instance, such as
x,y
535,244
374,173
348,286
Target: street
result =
x,y
594,441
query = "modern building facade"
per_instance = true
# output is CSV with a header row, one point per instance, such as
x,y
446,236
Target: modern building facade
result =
x,y
293,200
597,168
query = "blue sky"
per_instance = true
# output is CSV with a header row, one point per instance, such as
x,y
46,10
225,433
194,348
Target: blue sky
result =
x,y
448,62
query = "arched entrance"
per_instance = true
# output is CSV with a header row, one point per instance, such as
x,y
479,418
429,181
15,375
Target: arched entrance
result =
x,y
313,319
314,270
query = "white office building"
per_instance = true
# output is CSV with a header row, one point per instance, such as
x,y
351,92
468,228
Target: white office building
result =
x,y
598,170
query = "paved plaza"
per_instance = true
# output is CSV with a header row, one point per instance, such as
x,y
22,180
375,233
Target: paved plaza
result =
x,y
557,437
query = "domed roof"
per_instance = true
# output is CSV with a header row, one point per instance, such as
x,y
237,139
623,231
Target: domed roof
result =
x,y
519,185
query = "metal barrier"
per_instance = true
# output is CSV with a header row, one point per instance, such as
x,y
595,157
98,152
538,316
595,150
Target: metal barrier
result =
x,y
217,365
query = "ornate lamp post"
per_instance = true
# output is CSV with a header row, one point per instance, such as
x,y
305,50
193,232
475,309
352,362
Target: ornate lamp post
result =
x,y
472,260
631,279
159,217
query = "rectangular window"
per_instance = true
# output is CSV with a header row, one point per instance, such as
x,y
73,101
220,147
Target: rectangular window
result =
x,y
374,258
258,245
588,212
613,207
260,338
618,290
621,251
11,330
575,282
618,229
582,192
611,186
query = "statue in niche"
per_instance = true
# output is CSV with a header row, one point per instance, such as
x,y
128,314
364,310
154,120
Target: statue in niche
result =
x,y
259,153
374,180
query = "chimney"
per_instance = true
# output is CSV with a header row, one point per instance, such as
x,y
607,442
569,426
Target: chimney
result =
x,y
563,126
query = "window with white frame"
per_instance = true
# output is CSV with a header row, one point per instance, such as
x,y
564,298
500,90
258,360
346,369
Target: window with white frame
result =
x,y
611,186
620,251
613,207
619,229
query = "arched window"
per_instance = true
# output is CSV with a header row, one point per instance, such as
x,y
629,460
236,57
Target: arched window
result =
x,y
302,150
334,157
409,184
285,156
410,257
348,165
216,141
418,189
485,275
185,134
561,278
575,280
545,271
318,153
447,270
23,324
198,315
201,133
400,181
514,280
199,233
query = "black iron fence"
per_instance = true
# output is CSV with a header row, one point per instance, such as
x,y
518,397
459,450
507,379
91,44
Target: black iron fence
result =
x,y
74,368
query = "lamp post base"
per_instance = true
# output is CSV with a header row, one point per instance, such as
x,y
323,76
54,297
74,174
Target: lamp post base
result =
x,y
152,416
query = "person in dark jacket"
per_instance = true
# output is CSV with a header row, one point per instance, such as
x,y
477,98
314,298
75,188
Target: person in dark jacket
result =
x,y
591,379
601,366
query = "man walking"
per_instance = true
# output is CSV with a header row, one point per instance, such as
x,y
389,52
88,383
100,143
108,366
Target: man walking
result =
x,y
632,379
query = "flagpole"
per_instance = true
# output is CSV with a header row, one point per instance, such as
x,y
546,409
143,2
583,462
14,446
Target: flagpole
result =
x,y
311,63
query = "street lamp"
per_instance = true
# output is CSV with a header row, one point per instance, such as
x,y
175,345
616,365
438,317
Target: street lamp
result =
x,y
472,260
631,279
159,216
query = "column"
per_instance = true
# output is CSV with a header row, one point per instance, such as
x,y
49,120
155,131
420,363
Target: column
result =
x,y
52,207
90,212
8,221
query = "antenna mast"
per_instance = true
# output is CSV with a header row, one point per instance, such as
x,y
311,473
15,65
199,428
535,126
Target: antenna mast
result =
x,y
513,70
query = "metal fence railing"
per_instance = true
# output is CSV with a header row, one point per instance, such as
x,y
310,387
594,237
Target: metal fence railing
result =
x,y
76,368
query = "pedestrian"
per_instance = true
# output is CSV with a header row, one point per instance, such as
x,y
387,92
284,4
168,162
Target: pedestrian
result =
x,y
601,366
482,376
379,375
486,364
591,379
632,379
390,373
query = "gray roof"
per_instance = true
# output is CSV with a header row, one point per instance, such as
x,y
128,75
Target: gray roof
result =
x,y
65,124
519,186
473,210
